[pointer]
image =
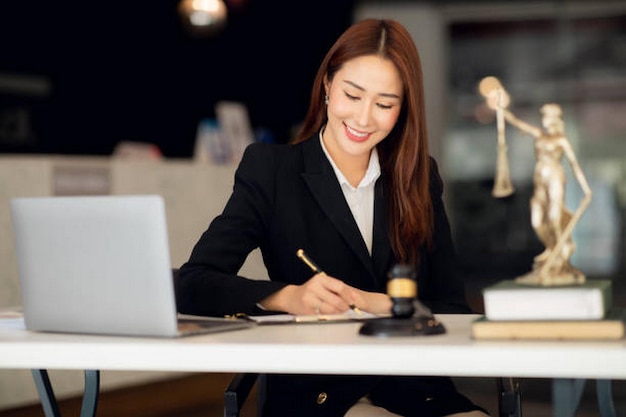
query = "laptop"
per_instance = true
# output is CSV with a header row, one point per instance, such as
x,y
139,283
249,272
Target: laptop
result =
x,y
100,265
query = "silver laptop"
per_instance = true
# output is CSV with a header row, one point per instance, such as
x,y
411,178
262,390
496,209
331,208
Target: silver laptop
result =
x,y
101,265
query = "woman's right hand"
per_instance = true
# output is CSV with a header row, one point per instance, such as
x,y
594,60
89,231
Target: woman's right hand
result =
x,y
324,294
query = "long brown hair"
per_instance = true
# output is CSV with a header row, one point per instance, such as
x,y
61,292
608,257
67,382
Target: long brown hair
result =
x,y
404,156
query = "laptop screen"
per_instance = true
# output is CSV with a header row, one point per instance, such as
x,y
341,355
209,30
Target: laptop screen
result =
x,y
95,264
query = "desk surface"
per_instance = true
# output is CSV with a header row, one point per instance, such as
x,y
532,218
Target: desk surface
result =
x,y
316,348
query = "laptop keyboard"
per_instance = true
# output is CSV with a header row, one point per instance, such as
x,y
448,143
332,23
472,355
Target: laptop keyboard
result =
x,y
200,326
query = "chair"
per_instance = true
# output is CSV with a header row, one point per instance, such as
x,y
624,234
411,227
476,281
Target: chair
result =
x,y
235,395
237,392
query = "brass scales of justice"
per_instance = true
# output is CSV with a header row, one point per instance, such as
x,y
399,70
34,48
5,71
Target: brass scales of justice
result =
x,y
551,220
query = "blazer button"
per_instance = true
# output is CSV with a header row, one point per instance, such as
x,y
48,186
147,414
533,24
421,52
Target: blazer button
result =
x,y
322,397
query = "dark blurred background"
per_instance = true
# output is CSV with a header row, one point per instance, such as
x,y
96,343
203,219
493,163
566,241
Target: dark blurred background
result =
x,y
100,73
79,78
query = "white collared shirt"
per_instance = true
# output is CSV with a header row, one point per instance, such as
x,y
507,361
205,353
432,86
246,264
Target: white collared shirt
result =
x,y
360,199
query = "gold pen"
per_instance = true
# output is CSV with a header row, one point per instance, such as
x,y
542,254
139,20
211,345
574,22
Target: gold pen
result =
x,y
300,253
316,269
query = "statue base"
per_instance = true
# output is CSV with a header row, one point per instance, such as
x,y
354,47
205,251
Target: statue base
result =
x,y
571,276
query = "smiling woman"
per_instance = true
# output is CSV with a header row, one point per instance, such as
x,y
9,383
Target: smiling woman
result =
x,y
358,191
364,101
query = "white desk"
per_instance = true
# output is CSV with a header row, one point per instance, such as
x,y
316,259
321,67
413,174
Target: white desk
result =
x,y
313,348
318,348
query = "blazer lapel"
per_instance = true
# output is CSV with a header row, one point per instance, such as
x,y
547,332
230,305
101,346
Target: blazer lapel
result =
x,y
321,180
381,249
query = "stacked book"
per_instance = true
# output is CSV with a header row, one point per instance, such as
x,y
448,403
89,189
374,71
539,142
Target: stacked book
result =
x,y
520,311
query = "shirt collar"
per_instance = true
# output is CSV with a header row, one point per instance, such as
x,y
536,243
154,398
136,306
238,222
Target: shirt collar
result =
x,y
371,175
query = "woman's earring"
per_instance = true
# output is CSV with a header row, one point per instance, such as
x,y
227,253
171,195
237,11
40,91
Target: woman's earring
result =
x,y
326,100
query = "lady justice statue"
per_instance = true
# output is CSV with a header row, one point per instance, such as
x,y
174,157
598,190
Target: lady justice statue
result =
x,y
552,221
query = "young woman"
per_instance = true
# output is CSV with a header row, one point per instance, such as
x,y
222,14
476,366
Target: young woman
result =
x,y
358,192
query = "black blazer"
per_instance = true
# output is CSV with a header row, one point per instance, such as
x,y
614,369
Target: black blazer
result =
x,y
287,197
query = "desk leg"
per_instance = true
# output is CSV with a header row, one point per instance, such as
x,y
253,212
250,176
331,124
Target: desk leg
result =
x,y
49,401
566,395
46,394
90,396
604,394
